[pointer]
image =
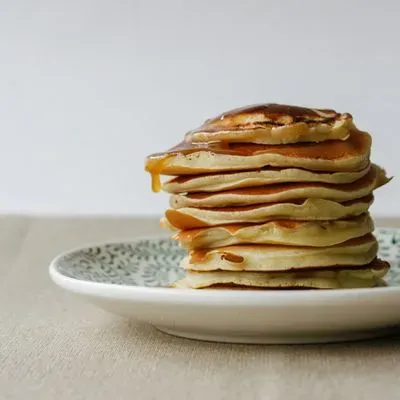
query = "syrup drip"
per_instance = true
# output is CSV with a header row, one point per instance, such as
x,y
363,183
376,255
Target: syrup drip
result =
x,y
155,182
155,168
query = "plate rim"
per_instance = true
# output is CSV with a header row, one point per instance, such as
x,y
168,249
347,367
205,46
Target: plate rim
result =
x,y
223,297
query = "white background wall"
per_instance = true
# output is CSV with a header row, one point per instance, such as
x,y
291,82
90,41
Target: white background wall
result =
x,y
88,88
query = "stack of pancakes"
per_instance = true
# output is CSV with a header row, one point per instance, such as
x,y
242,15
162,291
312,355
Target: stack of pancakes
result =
x,y
273,196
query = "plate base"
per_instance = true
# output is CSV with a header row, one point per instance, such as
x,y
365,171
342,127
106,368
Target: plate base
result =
x,y
282,339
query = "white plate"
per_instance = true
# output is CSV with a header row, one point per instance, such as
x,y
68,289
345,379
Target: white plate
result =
x,y
129,279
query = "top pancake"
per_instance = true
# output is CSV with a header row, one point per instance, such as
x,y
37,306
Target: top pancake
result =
x,y
199,158
274,124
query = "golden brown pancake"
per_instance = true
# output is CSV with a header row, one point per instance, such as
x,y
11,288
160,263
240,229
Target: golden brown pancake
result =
x,y
283,192
369,275
217,182
253,257
284,232
274,124
364,283
306,209
198,158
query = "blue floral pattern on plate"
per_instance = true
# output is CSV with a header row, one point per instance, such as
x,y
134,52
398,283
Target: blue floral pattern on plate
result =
x,y
155,262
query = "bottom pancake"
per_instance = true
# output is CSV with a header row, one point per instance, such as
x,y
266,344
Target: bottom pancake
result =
x,y
369,275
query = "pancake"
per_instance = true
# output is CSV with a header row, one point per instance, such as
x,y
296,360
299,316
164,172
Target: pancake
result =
x,y
353,285
190,159
306,209
283,192
266,176
274,124
286,232
354,252
366,276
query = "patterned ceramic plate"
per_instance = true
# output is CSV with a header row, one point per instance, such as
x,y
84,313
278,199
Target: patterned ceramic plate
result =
x,y
131,279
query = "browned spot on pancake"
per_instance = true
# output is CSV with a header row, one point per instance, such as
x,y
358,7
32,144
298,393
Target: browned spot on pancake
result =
x,y
233,258
201,255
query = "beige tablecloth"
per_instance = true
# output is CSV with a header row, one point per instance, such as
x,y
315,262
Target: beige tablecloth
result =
x,y
53,346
